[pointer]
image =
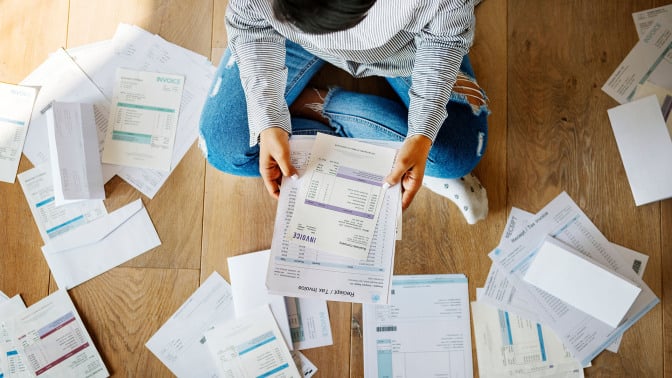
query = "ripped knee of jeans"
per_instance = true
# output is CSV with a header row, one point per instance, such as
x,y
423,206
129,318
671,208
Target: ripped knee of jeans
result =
x,y
467,91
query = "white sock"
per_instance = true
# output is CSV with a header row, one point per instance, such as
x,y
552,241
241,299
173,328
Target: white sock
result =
x,y
466,192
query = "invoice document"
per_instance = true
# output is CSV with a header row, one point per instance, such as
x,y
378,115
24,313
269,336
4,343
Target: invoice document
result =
x,y
645,146
508,345
308,322
180,343
73,148
425,331
303,364
564,220
248,273
647,61
300,271
645,19
53,221
143,119
16,106
341,194
55,341
12,360
250,347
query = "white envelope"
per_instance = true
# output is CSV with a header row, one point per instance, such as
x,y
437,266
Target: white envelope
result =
x,y
574,279
101,245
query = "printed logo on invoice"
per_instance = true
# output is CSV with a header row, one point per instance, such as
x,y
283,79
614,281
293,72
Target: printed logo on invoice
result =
x,y
168,80
306,238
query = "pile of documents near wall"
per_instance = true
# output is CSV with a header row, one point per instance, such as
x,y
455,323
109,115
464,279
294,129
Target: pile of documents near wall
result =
x,y
642,125
521,329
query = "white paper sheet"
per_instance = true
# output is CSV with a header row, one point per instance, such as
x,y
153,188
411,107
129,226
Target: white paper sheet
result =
x,y
341,194
251,347
510,346
16,105
425,331
647,61
100,245
303,364
60,79
53,221
645,146
645,19
247,273
180,344
74,153
308,322
562,272
563,220
12,360
299,271
143,119
55,342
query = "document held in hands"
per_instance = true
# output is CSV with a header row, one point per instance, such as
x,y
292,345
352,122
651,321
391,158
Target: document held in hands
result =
x,y
73,147
16,106
143,119
341,195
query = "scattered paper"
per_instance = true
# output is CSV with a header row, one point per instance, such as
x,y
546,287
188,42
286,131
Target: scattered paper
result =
x,y
180,344
247,273
645,146
75,159
645,19
425,331
143,119
646,62
16,105
251,346
12,360
53,221
55,342
305,366
308,322
100,245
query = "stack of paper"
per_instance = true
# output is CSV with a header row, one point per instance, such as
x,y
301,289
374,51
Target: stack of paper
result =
x,y
205,339
642,124
300,270
47,339
562,223
87,74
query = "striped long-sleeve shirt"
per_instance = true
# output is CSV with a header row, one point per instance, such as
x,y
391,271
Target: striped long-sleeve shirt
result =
x,y
423,39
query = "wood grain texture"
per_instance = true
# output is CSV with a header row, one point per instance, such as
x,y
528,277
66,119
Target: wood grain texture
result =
x,y
666,267
560,139
29,31
124,307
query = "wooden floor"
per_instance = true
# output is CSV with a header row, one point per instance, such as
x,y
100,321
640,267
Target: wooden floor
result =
x,y
542,64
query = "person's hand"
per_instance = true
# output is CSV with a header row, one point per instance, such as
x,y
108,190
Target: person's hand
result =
x,y
409,168
274,161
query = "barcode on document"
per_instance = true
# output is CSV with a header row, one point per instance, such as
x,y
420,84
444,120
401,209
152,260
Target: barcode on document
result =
x,y
386,329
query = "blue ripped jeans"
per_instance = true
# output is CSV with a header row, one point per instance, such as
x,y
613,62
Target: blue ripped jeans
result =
x,y
457,148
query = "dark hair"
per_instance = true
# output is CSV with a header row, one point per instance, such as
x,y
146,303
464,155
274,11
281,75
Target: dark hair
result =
x,y
322,16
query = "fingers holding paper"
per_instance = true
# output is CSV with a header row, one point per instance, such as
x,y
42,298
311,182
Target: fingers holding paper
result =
x,y
409,168
274,159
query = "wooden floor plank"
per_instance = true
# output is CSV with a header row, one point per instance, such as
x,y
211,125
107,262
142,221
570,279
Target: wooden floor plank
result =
x,y
124,307
666,265
560,139
28,33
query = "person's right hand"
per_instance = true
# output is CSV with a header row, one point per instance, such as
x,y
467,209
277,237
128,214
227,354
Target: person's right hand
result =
x,y
274,161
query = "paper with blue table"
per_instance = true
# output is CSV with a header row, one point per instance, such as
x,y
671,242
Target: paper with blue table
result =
x,y
435,307
16,105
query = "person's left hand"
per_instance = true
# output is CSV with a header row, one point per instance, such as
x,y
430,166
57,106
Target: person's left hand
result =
x,y
409,168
